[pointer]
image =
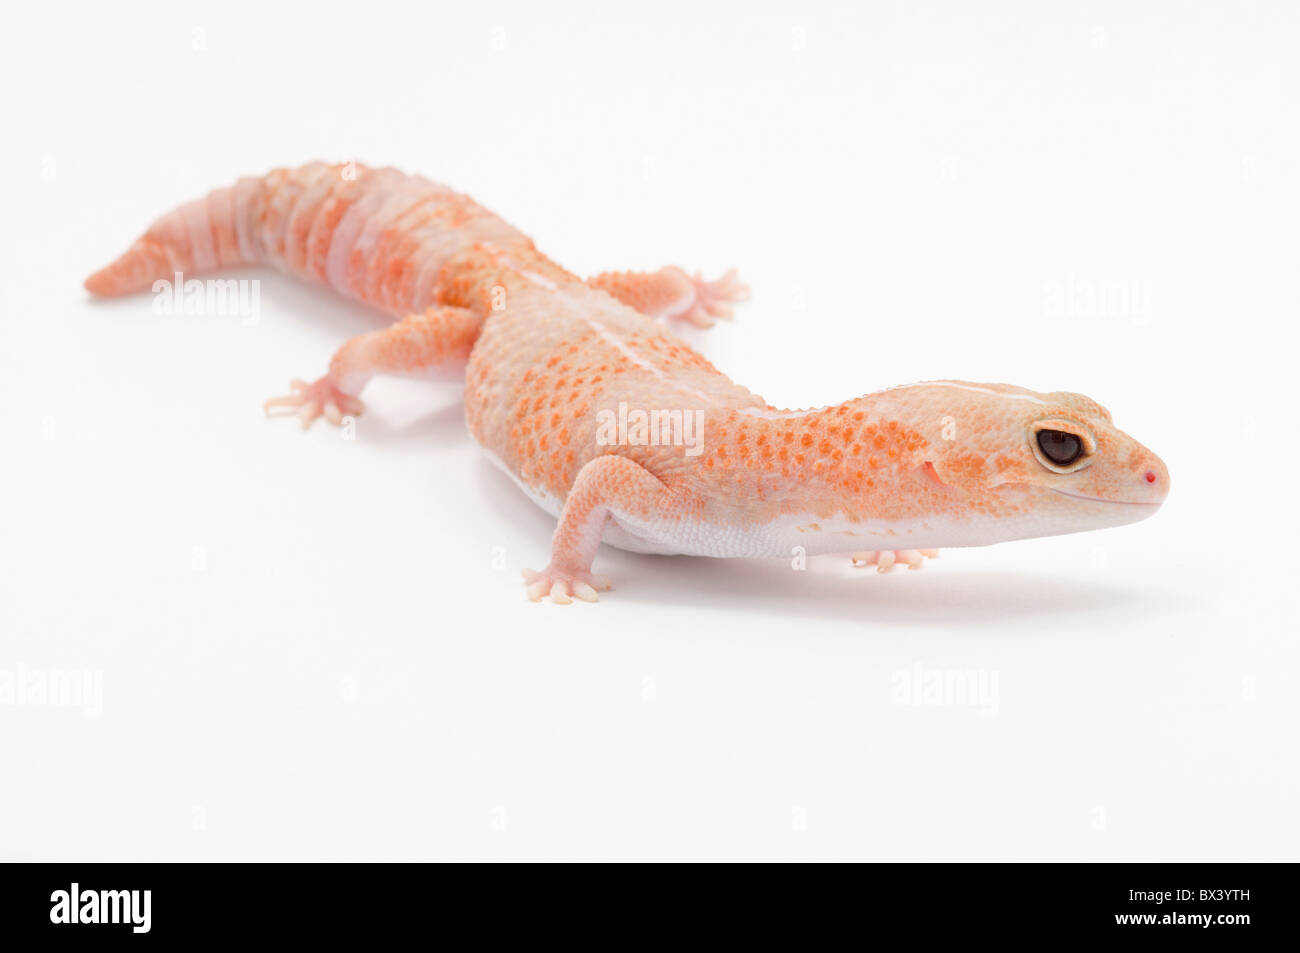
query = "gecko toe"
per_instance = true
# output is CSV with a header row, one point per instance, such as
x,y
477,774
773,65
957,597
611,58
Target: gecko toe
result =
x,y
308,414
886,559
563,586
310,401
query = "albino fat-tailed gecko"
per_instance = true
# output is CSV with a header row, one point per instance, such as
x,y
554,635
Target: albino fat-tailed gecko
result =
x,y
616,426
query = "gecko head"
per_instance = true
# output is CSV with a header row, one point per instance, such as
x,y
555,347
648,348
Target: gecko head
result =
x,y
1045,463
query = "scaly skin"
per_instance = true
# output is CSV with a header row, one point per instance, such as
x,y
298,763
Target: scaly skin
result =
x,y
553,364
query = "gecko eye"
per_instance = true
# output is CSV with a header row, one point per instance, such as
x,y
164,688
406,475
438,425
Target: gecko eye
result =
x,y
1060,447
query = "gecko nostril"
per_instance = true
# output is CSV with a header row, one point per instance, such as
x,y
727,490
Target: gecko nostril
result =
x,y
1151,476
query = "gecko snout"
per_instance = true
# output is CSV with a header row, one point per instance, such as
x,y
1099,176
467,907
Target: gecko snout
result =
x,y
1152,479
1145,479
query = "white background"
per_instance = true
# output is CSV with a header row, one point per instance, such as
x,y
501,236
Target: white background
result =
x,y
304,646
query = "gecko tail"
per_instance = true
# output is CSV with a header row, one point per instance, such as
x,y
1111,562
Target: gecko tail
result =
x,y
205,235
136,270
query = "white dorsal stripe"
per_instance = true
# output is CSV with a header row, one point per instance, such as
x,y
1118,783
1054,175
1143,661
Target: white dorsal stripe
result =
x,y
971,387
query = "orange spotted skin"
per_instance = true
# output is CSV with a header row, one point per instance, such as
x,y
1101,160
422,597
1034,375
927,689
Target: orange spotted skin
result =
x,y
562,373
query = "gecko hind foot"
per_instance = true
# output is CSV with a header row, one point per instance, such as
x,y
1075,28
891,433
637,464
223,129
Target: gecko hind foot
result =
x,y
713,299
564,586
320,398
885,559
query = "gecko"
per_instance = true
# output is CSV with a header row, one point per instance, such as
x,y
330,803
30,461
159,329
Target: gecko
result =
x,y
583,394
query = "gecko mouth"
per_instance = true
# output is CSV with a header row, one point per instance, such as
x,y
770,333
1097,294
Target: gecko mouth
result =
x,y
1099,499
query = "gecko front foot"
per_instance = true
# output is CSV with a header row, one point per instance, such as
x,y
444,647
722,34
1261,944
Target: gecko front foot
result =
x,y
885,559
563,586
312,400
713,299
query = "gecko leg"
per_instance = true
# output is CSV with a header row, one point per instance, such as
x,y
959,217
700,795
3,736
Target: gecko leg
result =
x,y
604,486
417,343
672,293
885,559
